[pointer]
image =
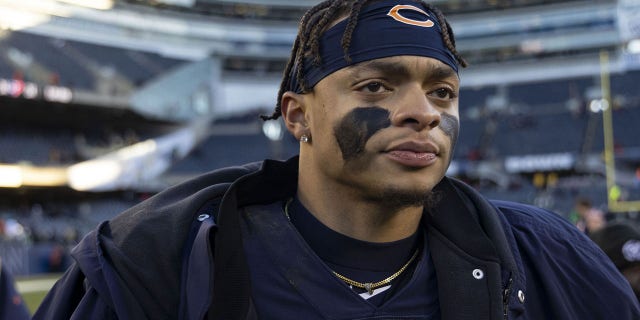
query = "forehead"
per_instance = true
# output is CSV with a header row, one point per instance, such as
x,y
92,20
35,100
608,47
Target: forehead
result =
x,y
403,65
397,68
391,70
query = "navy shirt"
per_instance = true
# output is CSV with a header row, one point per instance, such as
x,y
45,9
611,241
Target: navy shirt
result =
x,y
357,260
289,279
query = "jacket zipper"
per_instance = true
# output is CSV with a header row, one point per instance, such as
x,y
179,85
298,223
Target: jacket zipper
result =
x,y
505,299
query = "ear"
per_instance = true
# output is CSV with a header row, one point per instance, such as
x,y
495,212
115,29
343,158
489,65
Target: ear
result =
x,y
293,109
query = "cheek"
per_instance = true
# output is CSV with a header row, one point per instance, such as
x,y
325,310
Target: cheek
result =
x,y
354,130
450,125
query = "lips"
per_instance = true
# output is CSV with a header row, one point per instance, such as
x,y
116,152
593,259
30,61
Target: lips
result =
x,y
413,154
414,146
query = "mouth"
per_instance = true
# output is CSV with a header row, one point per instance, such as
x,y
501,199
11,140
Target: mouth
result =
x,y
413,154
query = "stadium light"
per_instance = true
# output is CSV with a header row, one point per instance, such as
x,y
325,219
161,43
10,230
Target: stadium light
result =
x,y
93,4
91,174
10,176
41,9
634,46
15,19
598,105
16,176
273,130
43,176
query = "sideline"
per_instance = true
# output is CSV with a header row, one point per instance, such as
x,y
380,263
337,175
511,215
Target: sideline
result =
x,y
37,284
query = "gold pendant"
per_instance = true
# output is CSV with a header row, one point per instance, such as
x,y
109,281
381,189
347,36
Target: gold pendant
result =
x,y
367,286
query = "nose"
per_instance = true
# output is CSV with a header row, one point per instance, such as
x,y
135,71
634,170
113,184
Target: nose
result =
x,y
416,111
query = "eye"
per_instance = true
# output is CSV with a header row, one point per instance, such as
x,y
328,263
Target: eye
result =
x,y
443,93
374,87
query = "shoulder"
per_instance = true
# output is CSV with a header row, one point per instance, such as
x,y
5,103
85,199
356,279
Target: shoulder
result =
x,y
147,242
543,222
161,224
167,216
184,199
563,267
536,228
555,248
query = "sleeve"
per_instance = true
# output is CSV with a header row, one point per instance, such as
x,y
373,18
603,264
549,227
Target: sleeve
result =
x,y
71,298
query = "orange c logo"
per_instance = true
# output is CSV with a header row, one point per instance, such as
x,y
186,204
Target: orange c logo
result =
x,y
395,14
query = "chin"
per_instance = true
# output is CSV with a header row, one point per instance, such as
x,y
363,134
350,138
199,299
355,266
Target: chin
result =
x,y
402,197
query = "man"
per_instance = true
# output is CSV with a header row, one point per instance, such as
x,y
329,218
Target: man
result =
x,y
363,224
621,242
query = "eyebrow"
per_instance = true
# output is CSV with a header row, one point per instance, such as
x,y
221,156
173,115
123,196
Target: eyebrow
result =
x,y
397,70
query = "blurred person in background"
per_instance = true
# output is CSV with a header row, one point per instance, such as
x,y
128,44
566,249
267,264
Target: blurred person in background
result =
x,y
12,305
56,259
621,242
363,224
586,217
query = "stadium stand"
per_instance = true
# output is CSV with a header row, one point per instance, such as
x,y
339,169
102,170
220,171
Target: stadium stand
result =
x,y
137,67
472,133
38,146
291,11
55,63
625,132
556,132
229,147
75,64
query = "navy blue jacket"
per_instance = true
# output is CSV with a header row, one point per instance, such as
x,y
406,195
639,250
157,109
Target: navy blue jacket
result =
x,y
179,255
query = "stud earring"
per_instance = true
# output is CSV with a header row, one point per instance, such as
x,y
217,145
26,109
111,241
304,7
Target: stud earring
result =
x,y
304,138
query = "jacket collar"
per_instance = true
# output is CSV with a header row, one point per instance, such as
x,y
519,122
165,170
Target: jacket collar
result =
x,y
231,292
468,235
464,219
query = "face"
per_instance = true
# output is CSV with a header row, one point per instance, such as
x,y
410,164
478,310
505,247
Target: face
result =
x,y
385,128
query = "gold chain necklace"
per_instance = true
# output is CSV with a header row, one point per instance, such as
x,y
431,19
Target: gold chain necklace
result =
x,y
369,286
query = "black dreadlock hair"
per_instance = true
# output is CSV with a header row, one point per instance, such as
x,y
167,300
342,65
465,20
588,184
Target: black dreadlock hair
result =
x,y
315,21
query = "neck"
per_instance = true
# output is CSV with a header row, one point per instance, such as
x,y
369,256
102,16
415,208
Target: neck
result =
x,y
347,211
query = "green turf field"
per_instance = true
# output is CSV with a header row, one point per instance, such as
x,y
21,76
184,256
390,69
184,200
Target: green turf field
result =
x,y
33,289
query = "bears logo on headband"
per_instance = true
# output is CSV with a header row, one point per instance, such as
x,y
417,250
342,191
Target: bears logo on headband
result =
x,y
376,36
395,14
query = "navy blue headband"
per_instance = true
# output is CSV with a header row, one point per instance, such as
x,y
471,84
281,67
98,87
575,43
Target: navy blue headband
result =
x,y
384,29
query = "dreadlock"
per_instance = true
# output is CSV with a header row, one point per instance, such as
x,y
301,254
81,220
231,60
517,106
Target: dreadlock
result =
x,y
315,21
